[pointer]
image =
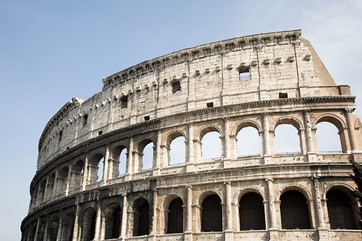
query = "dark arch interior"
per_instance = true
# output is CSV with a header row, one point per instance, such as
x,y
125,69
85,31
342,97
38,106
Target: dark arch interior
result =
x,y
175,216
211,214
340,210
251,212
294,211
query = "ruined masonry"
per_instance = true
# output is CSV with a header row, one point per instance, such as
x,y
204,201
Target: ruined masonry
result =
x,y
107,168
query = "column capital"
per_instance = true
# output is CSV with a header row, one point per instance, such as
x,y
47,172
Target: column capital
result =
x,y
349,110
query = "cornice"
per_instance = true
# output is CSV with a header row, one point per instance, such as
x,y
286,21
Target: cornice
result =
x,y
202,51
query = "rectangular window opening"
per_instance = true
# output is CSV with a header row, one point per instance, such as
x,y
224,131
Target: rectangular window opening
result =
x,y
176,86
283,95
244,73
85,120
147,117
124,101
210,104
100,133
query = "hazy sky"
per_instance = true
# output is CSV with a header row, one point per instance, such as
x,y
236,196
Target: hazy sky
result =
x,y
51,51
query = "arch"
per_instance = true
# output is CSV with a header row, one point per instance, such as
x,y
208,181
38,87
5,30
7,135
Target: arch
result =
x,y
141,217
89,224
287,139
113,221
248,141
68,227
77,174
294,210
175,216
96,168
211,214
328,137
120,157
53,227
146,154
41,231
287,121
251,212
340,209
210,143
176,148
62,180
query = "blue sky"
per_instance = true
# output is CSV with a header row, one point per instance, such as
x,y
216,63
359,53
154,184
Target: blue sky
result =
x,y
51,51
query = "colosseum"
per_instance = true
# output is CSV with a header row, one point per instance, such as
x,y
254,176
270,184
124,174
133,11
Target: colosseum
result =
x,y
156,154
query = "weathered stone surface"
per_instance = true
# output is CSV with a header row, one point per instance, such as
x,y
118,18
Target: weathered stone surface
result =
x,y
259,81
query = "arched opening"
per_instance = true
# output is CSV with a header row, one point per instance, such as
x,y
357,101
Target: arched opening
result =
x,y
62,180
96,166
211,146
113,221
146,157
141,219
251,212
77,174
211,217
41,232
53,229
89,224
175,216
122,164
100,171
68,226
340,210
50,186
328,139
294,211
177,151
248,142
286,139
32,233
41,195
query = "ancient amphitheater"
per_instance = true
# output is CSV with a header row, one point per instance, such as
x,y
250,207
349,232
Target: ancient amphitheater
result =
x,y
107,168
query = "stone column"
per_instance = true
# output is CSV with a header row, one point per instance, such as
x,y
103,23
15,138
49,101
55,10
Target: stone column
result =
x,y
188,228
130,160
106,170
59,233
318,202
271,209
302,140
266,138
228,212
352,137
55,185
124,217
68,180
154,212
157,155
85,173
37,230
99,228
190,148
76,222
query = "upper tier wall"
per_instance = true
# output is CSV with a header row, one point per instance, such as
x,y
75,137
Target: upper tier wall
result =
x,y
246,69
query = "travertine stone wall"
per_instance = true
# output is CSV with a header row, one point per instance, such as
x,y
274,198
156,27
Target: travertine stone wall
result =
x,y
259,81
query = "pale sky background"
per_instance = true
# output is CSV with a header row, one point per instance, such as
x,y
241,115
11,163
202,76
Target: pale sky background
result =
x,y
51,51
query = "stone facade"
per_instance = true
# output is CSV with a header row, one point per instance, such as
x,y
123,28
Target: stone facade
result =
x,y
81,192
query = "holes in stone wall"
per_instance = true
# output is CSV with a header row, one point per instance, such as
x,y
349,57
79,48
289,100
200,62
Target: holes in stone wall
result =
x,y
244,73
176,86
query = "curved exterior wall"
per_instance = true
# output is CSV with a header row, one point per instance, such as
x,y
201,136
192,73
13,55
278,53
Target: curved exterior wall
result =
x,y
260,81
